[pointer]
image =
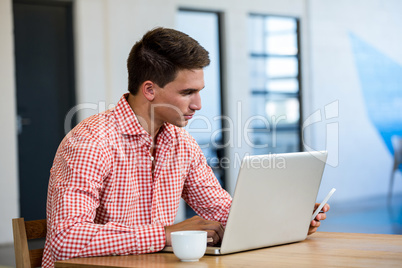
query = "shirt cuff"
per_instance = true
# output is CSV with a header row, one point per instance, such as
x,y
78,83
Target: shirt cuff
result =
x,y
150,238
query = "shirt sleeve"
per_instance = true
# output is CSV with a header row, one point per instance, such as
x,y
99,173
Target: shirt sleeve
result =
x,y
73,198
203,192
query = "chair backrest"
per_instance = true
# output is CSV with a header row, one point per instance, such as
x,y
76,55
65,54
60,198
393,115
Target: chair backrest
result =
x,y
24,231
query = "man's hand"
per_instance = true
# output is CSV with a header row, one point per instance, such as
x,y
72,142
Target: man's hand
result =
x,y
316,222
215,229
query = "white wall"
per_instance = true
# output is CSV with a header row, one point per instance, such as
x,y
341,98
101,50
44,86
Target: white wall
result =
x,y
364,165
105,31
9,202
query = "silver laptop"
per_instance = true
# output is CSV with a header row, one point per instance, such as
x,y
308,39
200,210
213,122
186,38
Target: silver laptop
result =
x,y
273,201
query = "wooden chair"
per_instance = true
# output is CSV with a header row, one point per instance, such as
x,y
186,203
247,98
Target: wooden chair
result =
x,y
24,231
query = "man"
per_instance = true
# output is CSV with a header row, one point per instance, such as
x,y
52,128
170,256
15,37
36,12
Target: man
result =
x,y
118,176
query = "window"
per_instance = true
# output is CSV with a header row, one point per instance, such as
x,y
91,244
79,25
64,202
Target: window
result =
x,y
206,126
274,84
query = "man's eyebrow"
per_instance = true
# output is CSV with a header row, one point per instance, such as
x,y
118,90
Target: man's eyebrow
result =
x,y
191,89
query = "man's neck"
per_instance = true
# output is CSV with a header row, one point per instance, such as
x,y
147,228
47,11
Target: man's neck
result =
x,y
141,110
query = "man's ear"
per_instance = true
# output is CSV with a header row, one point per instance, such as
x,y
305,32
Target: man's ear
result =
x,y
148,90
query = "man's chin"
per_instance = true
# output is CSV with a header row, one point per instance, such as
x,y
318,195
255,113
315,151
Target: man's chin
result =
x,y
181,123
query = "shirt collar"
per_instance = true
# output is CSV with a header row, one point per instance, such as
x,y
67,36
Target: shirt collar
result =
x,y
128,122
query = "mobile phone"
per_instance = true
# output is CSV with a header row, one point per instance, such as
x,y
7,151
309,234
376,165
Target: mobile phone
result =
x,y
323,203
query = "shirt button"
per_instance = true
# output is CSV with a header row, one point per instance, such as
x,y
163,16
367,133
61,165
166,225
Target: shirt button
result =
x,y
152,158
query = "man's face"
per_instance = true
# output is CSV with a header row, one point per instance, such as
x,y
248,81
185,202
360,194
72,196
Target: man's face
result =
x,y
177,102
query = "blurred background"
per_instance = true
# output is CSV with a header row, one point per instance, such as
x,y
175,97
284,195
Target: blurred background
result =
x,y
285,76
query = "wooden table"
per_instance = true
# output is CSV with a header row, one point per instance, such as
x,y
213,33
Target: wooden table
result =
x,y
319,250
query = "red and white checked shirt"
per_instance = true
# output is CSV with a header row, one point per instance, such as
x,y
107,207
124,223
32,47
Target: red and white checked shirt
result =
x,y
103,198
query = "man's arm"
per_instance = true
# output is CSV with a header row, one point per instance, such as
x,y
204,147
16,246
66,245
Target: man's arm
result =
x,y
73,199
208,199
203,192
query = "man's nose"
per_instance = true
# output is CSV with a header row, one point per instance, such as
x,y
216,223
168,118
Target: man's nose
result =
x,y
196,102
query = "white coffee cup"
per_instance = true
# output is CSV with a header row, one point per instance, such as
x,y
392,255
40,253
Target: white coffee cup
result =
x,y
189,246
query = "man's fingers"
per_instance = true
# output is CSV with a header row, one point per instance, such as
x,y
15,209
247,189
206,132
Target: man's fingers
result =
x,y
312,230
321,216
216,232
214,225
326,207
214,229
214,236
315,223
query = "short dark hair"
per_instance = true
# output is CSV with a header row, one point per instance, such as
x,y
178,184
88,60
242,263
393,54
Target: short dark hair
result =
x,y
160,54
